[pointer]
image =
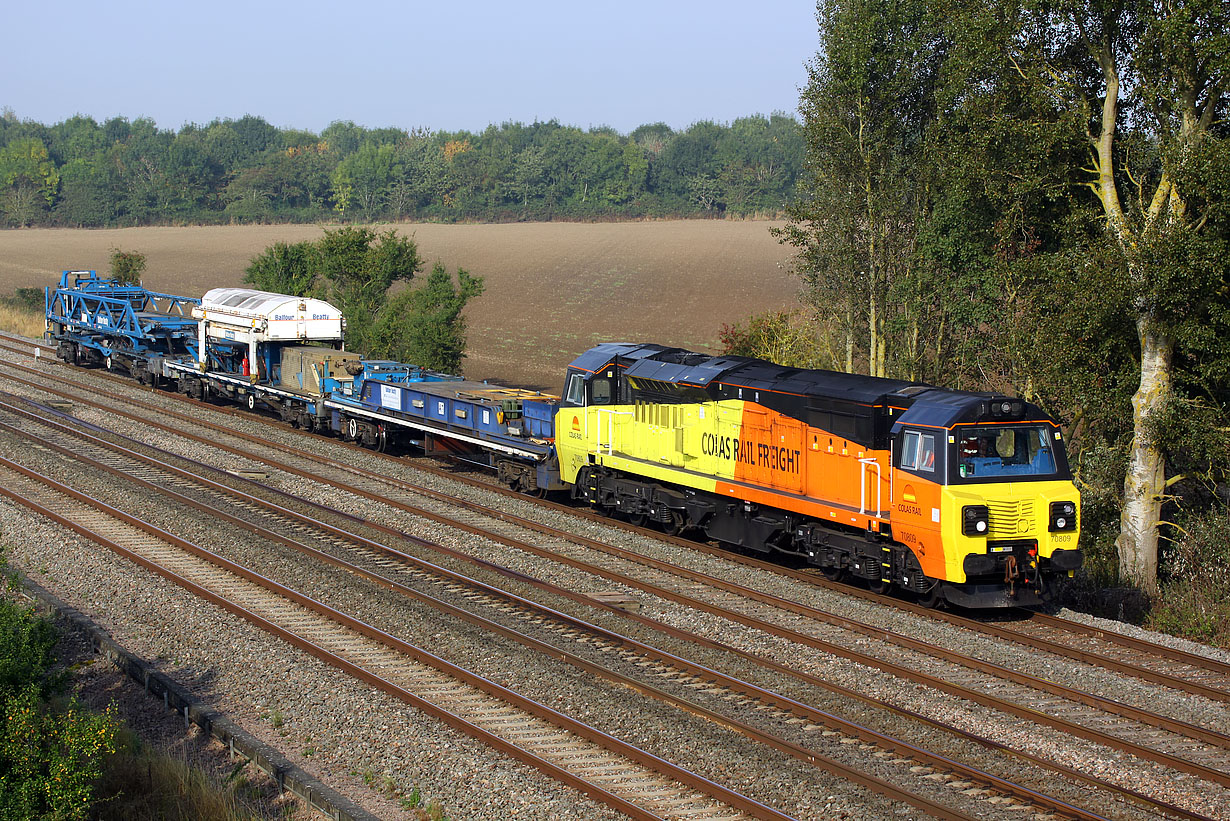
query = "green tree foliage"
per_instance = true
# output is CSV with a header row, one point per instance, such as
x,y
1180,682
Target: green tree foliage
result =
x,y
127,266
85,195
124,172
366,177
354,268
284,268
425,325
29,178
1147,82
867,109
51,752
1049,184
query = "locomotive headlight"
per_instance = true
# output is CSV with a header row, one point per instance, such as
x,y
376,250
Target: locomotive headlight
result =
x,y
1063,516
975,520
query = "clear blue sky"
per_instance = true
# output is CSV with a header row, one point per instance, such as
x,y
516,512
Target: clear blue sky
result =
x,y
440,65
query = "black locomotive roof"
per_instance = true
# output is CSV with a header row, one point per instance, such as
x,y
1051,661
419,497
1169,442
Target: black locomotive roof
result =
x,y
851,387
601,355
679,366
940,408
925,405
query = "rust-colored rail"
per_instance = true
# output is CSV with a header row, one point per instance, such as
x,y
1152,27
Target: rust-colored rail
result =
x,y
986,742
716,791
1033,715
692,668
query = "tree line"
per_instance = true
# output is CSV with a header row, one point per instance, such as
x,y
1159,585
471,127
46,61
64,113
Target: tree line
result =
x,y
1034,197
118,173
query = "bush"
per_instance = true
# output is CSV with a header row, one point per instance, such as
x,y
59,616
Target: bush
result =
x,y
28,299
51,751
782,337
1194,598
127,267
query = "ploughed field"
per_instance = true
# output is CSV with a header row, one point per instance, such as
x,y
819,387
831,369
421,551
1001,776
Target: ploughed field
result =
x,y
553,289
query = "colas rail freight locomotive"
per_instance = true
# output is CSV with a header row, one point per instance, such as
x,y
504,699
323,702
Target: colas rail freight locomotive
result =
x,y
955,496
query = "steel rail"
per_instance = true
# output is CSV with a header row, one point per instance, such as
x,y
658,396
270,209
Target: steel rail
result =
x,y
714,790
692,668
990,701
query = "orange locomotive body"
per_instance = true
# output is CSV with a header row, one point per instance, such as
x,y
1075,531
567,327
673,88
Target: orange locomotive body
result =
x,y
953,495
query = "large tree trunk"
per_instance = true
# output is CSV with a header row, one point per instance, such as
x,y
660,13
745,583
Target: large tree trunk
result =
x,y
1146,474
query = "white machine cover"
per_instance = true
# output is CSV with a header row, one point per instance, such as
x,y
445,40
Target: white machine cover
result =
x,y
270,316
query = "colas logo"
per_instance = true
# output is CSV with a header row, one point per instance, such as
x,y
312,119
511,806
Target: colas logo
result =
x,y
576,423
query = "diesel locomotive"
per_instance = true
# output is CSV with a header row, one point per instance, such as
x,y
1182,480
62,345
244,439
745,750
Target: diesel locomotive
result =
x,y
955,496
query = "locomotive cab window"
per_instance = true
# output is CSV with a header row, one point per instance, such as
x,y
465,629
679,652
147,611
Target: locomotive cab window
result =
x,y
1005,450
600,391
575,395
918,451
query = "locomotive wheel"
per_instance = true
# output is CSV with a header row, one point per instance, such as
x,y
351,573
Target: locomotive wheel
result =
x,y
636,519
674,525
833,573
251,401
879,586
933,598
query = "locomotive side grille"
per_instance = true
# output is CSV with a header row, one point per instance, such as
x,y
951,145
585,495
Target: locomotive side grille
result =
x,y
1010,519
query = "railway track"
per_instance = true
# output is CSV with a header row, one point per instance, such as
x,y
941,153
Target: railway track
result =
x,y
636,783
407,497
971,781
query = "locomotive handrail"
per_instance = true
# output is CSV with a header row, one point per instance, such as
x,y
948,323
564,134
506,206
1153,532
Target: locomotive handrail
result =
x,y
862,502
610,443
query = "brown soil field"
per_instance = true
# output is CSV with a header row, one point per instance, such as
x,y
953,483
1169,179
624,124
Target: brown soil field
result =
x,y
552,289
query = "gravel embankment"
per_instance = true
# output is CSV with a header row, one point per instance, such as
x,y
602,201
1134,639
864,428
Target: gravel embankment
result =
x,y
358,738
